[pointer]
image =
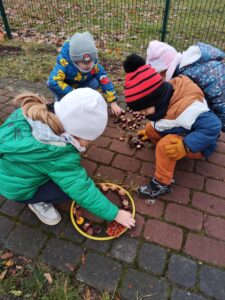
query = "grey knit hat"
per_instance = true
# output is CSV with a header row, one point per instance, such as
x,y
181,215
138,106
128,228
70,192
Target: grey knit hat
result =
x,y
82,47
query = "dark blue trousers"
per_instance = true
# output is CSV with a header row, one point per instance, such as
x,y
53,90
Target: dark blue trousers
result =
x,y
48,193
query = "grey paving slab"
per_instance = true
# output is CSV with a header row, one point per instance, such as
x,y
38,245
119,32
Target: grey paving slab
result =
x,y
12,208
182,270
125,248
178,294
100,272
57,229
101,246
139,284
63,255
71,234
6,227
152,258
29,217
25,240
212,282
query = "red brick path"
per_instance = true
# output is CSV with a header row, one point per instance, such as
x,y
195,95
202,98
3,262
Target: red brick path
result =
x,y
190,220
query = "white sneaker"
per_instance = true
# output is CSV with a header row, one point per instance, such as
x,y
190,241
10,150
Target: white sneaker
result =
x,y
46,213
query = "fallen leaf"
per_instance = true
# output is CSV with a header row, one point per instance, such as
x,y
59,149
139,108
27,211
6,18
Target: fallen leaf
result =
x,y
70,267
18,267
83,259
6,255
2,275
16,293
87,295
1,36
48,277
9,263
12,271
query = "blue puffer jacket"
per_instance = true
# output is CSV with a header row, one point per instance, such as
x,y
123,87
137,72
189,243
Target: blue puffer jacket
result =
x,y
209,73
65,76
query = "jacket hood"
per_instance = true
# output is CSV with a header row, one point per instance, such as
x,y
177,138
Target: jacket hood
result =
x,y
65,51
18,143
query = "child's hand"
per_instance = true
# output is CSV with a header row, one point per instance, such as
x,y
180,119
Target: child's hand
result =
x,y
143,135
125,218
116,110
176,149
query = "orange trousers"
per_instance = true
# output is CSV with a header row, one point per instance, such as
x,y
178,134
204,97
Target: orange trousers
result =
x,y
164,165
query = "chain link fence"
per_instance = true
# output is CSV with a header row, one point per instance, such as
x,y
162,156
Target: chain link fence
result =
x,y
120,26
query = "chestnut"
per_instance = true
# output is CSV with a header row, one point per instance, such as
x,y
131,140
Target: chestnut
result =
x,y
121,193
90,231
125,202
86,226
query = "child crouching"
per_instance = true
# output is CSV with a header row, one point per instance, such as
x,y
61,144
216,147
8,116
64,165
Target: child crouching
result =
x,y
181,124
40,155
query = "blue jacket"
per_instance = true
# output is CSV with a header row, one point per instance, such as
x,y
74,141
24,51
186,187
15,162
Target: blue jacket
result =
x,y
65,76
208,71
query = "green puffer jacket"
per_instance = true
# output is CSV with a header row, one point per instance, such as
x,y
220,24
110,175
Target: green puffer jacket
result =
x,y
26,164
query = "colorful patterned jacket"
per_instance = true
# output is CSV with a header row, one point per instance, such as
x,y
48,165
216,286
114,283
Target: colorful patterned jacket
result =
x,y
65,76
208,72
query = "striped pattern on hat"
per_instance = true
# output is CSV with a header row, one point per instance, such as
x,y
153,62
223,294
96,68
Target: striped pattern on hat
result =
x,y
142,87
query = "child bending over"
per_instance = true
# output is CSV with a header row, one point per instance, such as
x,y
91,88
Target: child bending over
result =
x,y
40,155
181,124
202,63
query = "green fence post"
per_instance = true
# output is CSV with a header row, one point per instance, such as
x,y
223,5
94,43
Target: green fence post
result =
x,y
5,21
165,20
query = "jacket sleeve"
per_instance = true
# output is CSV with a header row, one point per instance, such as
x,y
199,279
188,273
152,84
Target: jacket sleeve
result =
x,y
105,83
74,181
204,133
56,81
208,53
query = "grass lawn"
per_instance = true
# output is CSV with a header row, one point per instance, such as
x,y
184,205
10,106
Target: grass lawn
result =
x,y
123,25
22,278
33,62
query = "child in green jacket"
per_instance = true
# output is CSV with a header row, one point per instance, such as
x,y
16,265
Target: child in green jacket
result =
x,y
40,149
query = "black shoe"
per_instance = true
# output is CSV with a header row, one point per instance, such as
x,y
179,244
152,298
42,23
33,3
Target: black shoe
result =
x,y
153,189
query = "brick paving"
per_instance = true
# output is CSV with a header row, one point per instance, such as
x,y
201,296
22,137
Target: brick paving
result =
x,y
176,251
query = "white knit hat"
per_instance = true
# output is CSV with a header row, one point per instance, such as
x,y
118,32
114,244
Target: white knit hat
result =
x,y
83,113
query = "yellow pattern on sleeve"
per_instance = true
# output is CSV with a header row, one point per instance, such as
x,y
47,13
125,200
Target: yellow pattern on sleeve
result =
x,y
110,96
60,78
63,62
78,77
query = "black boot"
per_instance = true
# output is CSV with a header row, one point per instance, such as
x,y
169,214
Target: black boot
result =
x,y
153,189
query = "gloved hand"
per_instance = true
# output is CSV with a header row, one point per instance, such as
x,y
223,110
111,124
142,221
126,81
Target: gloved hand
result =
x,y
176,149
143,135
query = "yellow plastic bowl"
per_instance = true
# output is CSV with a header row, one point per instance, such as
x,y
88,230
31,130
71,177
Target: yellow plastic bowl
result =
x,y
107,237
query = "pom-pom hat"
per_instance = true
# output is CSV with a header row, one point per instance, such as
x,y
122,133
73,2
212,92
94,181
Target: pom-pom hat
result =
x,y
143,85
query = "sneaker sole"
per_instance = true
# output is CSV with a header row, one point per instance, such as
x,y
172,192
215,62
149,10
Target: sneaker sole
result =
x,y
43,220
153,198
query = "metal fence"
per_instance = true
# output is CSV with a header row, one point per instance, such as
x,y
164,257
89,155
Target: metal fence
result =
x,y
121,25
